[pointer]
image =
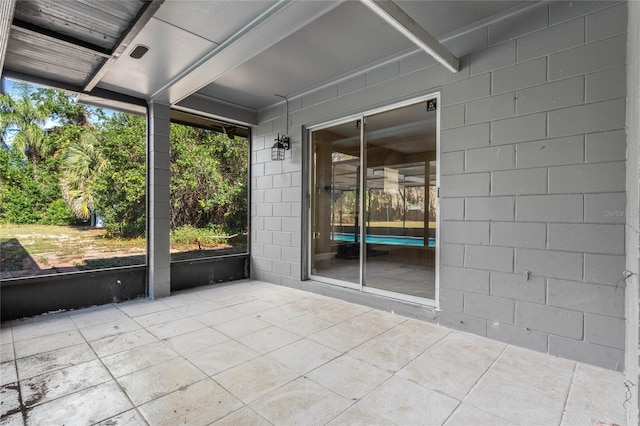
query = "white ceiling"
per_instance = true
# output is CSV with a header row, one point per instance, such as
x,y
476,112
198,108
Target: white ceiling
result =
x,y
240,53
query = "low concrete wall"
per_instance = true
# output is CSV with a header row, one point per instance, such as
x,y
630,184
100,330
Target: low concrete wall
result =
x,y
197,272
25,297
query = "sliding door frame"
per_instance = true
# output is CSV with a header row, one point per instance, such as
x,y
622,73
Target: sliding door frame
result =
x,y
308,185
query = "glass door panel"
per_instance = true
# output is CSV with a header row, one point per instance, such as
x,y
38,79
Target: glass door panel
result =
x,y
335,202
400,200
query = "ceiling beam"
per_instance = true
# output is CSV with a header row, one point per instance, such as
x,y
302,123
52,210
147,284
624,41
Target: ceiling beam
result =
x,y
276,23
6,16
144,15
401,21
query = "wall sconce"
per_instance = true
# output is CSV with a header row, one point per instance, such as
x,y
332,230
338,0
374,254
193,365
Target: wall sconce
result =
x,y
278,149
282,142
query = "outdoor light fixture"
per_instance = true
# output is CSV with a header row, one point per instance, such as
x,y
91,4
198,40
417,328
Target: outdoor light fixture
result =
x,y
393,15
278,148
282,142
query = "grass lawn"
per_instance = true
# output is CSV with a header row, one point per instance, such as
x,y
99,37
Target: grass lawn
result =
x,y
27,250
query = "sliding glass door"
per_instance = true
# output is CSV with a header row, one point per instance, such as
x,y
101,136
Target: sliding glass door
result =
x,y
335,212
393,204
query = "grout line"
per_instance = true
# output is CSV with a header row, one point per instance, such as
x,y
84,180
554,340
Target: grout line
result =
x,y
566,398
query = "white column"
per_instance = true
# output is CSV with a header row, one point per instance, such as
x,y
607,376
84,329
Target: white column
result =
x,y
159,260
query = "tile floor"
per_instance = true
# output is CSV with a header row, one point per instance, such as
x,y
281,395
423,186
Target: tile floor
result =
x,y
414,280
255,353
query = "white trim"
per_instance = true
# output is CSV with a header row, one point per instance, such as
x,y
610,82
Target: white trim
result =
x,y
392,14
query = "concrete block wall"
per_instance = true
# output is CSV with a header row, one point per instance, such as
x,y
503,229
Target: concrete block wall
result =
x,y
533,176
632,217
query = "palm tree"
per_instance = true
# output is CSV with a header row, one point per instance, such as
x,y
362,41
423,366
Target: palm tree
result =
x,y
25,119
83,162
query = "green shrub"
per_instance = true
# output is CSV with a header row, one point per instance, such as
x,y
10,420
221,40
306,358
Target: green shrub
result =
x,y
58,213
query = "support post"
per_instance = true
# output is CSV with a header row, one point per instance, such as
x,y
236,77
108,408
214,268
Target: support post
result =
x,y
159,175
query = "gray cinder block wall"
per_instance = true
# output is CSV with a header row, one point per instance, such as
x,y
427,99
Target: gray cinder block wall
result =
x,y
632,229
533,177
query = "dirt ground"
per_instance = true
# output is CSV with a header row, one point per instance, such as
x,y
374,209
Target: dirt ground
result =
x,y
29,250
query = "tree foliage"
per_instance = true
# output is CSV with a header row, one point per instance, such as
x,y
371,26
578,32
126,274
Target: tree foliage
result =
x,y
62,162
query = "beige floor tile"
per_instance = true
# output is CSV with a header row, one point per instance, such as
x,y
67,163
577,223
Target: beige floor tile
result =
x,y
140,307
233,299
405,403
423,328
9,400
515,402
280,296
376,321
221,357
97,315
358,416
12,420
255,378
311,303
278,314
466,415
181,299
6,334
268,339
8,373
253,306
541,358
160,317
46,387
138,358
42,325
82,408
304,355
198,404
551,381
108,329
218,316
350,378
243,416
122,342
29,347
50,361
596,395
340,337
128,418
196,340
395,348
454,364
300,402
305,324
213,293
156,381
241,326
340,311
201,307
6,352
175,328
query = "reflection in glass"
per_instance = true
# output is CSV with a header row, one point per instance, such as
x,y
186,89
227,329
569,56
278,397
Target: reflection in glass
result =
x,y
401,201
398,198
335,212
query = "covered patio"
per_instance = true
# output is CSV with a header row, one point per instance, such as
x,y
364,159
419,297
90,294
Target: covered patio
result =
x,y
254,353
520,304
